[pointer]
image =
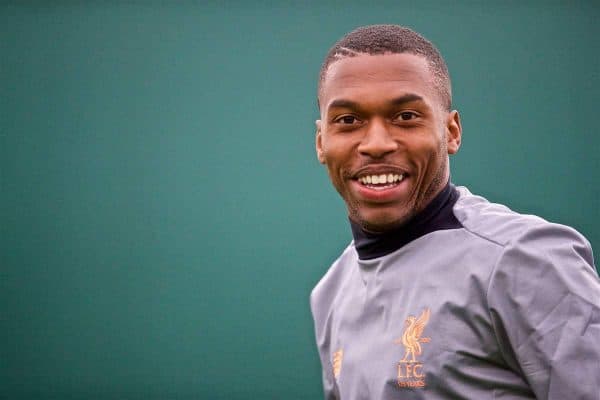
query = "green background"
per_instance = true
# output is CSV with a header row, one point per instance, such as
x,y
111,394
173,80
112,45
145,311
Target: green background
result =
x,y
163,215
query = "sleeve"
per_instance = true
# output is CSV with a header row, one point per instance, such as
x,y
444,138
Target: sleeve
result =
x,y
322,339
544,301
329,388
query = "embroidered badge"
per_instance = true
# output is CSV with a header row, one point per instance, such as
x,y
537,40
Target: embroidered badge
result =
x,y
337,362
410,370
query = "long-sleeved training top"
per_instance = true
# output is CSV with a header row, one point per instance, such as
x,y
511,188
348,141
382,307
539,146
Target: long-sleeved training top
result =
x,y
469,300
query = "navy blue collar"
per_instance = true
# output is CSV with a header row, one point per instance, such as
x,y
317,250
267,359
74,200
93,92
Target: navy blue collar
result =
x,y
437,215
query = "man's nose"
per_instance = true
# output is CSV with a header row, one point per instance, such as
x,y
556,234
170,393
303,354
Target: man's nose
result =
x,y
378,140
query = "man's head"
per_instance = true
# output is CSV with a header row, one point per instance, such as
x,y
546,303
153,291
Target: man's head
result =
x,y
386,128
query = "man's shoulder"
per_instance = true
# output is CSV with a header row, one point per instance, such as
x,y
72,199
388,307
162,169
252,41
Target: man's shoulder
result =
x,y
499,224
335,277
538,246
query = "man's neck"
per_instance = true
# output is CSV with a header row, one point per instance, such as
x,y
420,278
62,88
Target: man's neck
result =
x,y
437,215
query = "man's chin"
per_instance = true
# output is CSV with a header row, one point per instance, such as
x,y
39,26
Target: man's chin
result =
x,y
382,222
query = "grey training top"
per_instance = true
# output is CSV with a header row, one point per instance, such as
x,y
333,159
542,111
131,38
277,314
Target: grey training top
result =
x,y
492,305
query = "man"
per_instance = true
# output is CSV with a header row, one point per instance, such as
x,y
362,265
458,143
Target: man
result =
x,y
441,294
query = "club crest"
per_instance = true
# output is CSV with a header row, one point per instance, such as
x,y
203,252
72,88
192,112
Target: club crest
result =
x,y
410,369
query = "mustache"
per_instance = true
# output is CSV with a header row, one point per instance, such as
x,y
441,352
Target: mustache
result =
x,y
376,168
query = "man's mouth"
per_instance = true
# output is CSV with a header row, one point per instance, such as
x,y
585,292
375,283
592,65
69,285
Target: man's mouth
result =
x,y
380,181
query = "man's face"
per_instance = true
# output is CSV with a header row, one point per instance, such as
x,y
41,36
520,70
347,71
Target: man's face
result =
x,y
385,137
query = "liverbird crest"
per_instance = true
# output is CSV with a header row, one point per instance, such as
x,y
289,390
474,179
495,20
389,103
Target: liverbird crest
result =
x,y
411,338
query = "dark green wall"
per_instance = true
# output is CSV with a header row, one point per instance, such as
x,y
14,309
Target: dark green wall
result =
x,y
163,215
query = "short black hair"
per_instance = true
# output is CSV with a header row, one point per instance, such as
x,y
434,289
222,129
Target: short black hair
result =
x,y
384,39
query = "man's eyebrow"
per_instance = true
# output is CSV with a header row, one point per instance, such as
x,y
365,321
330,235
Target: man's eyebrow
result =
x,y
342,103
407,98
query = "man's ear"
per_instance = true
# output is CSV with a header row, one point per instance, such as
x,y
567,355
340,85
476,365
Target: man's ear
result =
x,y
318,143
453,132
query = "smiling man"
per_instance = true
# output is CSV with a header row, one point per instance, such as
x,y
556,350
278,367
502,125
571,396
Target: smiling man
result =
x,y
441,294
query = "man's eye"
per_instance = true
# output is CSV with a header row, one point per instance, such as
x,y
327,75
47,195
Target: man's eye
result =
x,y
347,119
407,115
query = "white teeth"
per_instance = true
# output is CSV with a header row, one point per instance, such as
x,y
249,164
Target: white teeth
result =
x,y
381,179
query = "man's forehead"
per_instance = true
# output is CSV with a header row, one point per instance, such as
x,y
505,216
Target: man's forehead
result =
x,y
366,71
379,66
